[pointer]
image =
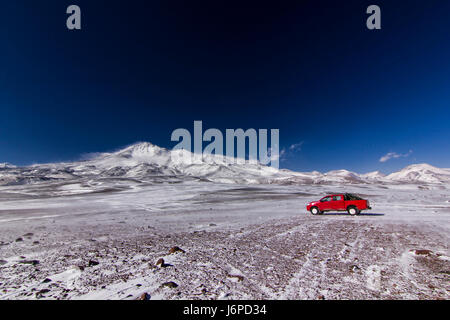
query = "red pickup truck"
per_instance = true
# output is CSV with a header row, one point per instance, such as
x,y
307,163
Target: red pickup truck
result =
x,y
339,202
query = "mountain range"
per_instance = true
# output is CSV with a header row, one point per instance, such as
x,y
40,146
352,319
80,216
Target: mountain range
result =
x,y
148,162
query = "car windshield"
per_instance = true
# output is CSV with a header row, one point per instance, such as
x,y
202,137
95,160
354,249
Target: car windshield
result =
x,y
326,199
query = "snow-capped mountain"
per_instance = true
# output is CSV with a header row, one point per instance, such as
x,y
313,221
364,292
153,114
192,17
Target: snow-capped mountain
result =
x,y
424,173
340,176
375,175
145,162
6,166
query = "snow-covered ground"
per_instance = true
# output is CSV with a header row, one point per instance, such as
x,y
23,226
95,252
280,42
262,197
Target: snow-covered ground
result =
x,y
240,242
96,230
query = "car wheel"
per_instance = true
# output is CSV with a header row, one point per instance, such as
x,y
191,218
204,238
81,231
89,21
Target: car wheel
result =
x,y
353,211
315,211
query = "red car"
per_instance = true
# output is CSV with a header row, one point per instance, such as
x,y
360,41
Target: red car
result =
x,y
339,202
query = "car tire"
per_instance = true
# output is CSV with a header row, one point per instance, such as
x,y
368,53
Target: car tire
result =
x,y
315,211
352,210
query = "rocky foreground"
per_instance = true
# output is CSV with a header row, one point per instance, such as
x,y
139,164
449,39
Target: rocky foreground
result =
x,y
327,257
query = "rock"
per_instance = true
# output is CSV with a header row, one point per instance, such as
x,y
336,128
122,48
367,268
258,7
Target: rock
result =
x,y
321,297
169,284
42,292
240,278
2,262
19,239
36,242
28,235
47,280
213,225
423,252
32,262
93,263
144,296
160,262
354,268
175,250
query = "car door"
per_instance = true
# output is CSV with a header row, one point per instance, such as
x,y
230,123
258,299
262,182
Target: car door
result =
x,y
326,203
338,203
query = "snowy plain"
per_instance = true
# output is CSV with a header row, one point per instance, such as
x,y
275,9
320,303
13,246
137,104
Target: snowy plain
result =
x,y
96,229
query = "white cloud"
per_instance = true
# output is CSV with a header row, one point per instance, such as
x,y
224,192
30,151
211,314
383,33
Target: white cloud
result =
x,y
285,152
275,157
394,155
296,146
90,156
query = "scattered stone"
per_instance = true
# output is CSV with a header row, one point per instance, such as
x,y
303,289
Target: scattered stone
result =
x,y
162,263
2,262
32,262
144,296
176,249
81,268
93,263
213,225
321,297
238,277
36,242
47,280
28,235
354,268
169,284
423,252
42,292
19,239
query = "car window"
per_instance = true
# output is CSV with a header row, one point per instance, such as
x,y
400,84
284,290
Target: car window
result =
x,y
337,198
326,199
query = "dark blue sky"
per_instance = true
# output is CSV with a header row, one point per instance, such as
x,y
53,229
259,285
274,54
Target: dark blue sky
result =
x,y
140,69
